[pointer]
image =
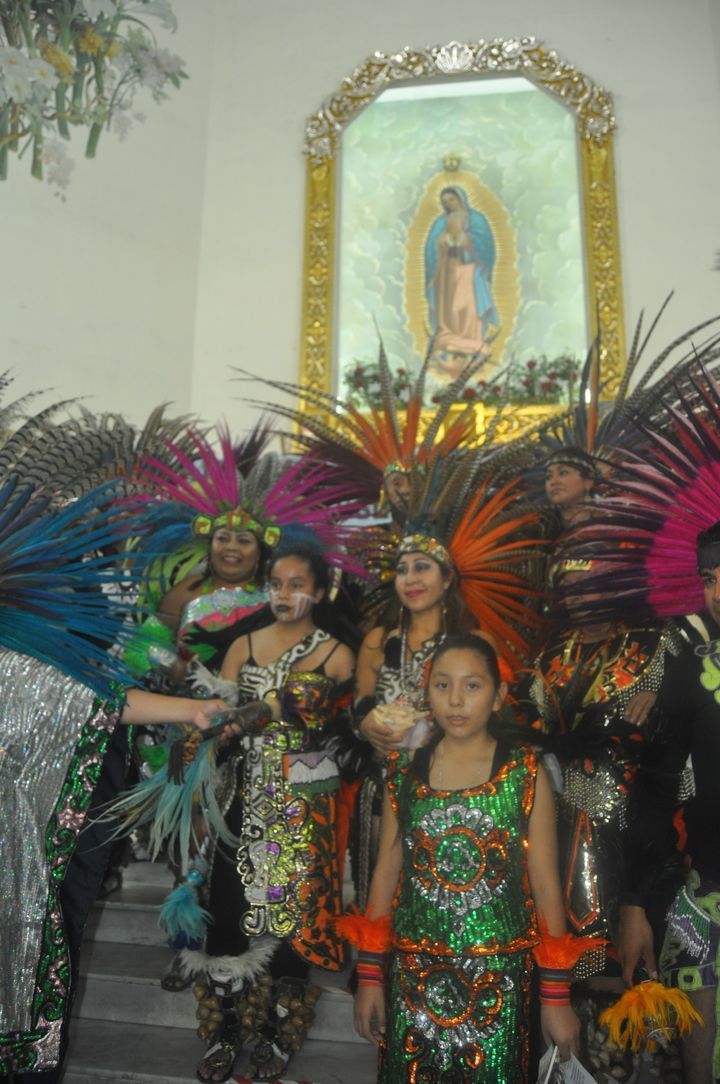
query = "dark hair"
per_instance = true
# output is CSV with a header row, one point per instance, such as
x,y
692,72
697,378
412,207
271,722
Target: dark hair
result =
x,y
470,642
707,548
455,191
570,455
709,537
312,558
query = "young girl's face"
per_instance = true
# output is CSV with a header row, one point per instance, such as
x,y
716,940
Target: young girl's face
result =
x,y
292,589
463,693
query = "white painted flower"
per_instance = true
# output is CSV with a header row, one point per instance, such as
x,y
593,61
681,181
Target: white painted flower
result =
x,y
13,61
121,123
44,77
170,63
18,86
156,66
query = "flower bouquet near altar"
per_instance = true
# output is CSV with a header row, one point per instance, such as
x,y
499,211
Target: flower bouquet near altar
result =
x,y
362,383
68,64
540,381
537,381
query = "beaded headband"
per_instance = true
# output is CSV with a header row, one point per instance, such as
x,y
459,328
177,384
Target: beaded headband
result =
x,y
577,458
398,466
422,543
237,519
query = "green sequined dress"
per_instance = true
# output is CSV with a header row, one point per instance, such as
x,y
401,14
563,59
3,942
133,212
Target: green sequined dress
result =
x,y
464,924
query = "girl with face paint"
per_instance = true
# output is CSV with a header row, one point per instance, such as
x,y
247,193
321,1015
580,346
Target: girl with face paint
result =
x,y
283,880
297,582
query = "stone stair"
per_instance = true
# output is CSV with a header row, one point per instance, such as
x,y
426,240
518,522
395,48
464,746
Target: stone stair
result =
x,y
125,1027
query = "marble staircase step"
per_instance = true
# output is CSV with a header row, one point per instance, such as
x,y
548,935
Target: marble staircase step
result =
x,y
140,1054
120,982
129,915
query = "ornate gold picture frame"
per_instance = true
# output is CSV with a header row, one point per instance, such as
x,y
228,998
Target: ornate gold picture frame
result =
x,y
590,108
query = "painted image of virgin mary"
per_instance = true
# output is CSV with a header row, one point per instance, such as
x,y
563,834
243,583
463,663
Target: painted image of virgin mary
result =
x,y
459,263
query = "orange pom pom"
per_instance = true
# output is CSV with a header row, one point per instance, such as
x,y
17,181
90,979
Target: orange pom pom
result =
x,y
562,953
364,931
646,1011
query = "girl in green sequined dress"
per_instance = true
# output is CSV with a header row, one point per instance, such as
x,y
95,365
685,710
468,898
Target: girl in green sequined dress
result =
x,y
467,861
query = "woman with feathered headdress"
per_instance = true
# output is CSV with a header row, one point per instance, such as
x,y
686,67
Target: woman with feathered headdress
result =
x,y
460,566
595,682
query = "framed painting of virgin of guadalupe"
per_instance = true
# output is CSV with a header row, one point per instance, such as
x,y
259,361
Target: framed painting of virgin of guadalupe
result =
x,y
461,202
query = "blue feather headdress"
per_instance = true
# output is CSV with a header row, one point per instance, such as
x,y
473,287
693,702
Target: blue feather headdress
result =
x,y
63,577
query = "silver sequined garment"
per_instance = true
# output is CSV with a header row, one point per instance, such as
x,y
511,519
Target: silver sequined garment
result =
x,y
43,713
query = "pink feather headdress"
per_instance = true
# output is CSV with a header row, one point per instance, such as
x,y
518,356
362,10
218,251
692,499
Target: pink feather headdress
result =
x,y
270,500
642,540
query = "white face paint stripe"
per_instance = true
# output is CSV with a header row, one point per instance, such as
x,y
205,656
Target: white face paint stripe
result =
x,y
301,603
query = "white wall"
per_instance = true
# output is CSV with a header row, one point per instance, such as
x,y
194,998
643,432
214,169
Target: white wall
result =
x,y
178,253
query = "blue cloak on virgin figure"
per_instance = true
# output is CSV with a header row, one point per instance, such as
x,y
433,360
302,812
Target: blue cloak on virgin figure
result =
x,y
459,262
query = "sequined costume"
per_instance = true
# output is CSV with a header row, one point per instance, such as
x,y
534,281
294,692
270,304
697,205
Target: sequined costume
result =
x,y
401,677
54,733
463,927
579,692
281,790
209,623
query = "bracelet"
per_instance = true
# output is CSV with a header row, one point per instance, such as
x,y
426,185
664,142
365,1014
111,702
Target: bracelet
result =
x,y
554,986
371,968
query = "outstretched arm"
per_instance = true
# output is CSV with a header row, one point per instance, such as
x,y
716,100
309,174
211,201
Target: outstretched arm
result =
x,y
154,709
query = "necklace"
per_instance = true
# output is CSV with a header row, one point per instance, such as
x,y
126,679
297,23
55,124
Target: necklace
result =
x,y
410,678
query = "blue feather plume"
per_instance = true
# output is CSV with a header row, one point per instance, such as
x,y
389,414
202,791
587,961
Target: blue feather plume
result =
x,y
61,579
168,808
181,915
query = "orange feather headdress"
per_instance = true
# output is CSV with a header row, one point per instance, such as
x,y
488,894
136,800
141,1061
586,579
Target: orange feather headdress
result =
x,y
368,445
461,515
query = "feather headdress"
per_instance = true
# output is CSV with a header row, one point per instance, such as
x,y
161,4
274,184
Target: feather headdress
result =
x,y
270,499
65,457
366,446
60,578
642,541
465,520
64,570
600,433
